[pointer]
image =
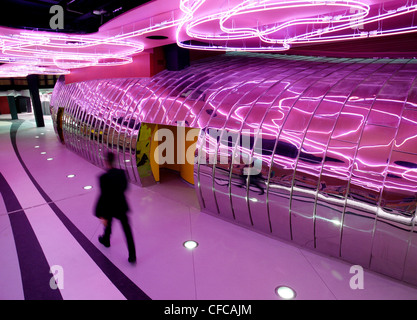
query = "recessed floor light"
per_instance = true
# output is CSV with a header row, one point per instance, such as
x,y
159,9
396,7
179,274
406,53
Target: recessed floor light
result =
x,y
88,187
42,133
285,292
37,137
49,159
36,147
190,244
71,176
43,152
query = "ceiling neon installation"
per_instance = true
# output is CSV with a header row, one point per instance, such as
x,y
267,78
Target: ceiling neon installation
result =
x,y
278,25
232,25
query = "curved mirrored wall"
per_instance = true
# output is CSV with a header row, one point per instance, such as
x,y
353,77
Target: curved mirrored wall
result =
x,y
318,151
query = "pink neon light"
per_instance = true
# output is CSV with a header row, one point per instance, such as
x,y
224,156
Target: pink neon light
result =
x,y
342,25
233,25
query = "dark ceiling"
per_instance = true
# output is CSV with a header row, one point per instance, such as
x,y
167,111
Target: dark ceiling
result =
x,y
80,16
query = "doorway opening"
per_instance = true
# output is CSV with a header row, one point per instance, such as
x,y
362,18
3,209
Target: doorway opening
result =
x,y
171,158
172,150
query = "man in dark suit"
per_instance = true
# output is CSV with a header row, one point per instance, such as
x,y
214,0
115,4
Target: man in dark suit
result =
x,y
112,204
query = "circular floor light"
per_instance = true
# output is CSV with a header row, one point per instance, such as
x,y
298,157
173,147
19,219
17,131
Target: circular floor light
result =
x,y
49,159
190,244
43,152
37,147
285,292
88,187
71,176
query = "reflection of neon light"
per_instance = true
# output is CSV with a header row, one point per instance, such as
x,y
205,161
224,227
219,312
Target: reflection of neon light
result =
x,y
405,140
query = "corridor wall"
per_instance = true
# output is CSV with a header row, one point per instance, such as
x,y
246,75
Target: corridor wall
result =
x,y
318,151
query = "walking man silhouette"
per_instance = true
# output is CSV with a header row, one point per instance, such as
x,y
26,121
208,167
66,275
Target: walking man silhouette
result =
x,y
112,203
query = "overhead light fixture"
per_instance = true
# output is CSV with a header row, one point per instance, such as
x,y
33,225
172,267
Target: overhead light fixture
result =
x,y
324,21
285,292
99,12
190,244
273,34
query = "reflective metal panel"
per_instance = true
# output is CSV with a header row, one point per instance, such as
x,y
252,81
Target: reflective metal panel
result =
x,y
121,124
306,177
68,118
331,198
409,272
405,140
99,106
195,109
240,151
331,144
395,215
388,106
310,161
108,114
265,137
280,182
364,192
278,191
257,182
128,127
207,156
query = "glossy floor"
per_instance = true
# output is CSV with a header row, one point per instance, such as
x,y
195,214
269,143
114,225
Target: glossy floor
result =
x,y
230,262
